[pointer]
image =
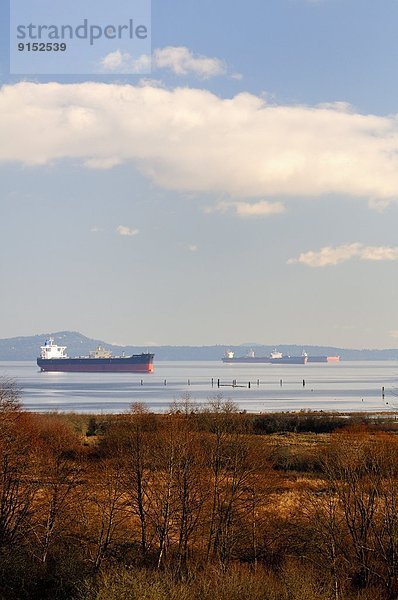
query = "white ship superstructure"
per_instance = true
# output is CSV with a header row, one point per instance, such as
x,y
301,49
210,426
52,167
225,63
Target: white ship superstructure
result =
x,y
51,350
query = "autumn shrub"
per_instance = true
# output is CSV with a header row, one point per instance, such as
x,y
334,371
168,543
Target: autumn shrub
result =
x,y
298,422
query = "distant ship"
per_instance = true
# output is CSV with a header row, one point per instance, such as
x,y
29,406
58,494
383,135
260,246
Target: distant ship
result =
x,y
54,358
323,359
275,358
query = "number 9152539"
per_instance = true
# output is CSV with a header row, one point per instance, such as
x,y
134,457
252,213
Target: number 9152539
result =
x,y
42,47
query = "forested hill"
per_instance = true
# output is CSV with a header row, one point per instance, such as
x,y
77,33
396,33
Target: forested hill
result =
x,y
28,348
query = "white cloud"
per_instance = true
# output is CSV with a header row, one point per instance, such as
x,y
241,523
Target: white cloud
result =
x,y
249,209
181,61
102,163
194,141
177,59
193,247
113,60
123,230
96,229
150,82
335,255
123,62
258,209
379,204
394,333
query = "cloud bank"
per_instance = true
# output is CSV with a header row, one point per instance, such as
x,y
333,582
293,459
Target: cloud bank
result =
x,y
335,255
192,140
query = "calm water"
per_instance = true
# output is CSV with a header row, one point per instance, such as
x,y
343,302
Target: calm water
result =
x,y
353,386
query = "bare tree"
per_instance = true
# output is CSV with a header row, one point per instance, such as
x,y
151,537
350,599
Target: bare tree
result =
x,y
139,469
10,397
18,485
354,477
191,490
232,480
385,524
103,509
329,535
58,474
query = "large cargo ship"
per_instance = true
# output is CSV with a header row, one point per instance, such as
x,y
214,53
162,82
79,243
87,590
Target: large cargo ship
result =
x,y
323,359
275,358
54,358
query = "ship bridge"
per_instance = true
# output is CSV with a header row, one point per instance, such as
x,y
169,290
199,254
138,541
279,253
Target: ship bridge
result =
x,y
51,350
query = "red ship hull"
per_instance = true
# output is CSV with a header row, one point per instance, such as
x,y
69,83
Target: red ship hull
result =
x,y
140,363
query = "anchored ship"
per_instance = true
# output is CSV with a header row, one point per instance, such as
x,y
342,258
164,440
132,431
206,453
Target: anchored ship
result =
x,y
54,358
323,359
275,358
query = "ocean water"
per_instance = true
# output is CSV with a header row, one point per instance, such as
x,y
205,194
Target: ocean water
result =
x,y
344,386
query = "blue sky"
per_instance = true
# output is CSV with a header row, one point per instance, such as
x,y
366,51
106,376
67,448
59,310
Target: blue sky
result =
x,y
246,191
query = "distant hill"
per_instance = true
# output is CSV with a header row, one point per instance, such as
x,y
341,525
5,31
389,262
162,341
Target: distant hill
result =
x,y
27,348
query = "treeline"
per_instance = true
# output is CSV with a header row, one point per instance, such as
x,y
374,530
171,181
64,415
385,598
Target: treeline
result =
x,y
303,421
193,504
